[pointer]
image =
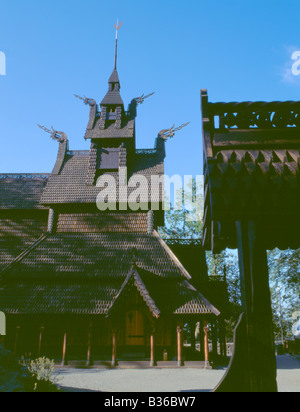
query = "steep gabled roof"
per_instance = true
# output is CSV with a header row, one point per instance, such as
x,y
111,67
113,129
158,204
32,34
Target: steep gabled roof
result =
x,y
134,280
163,296
88,274
22,191
113,96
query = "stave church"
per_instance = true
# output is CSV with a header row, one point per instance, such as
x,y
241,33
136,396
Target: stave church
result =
x,y
82,284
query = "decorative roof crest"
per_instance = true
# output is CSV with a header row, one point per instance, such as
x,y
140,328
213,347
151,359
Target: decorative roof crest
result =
x,y
170,133
60,137
141,99
86,100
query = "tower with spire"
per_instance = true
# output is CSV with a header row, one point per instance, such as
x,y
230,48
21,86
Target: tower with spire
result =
x,y
111,129
75,275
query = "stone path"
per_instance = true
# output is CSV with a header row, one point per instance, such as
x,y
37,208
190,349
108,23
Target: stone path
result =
x,y
165,380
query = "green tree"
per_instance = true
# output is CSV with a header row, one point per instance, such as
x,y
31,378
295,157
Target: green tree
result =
x,y
284,270
226,264
184,219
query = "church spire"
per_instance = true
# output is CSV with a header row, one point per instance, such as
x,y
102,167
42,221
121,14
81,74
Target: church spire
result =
x,y
113,97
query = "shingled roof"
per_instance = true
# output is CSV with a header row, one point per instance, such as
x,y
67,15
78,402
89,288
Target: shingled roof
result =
x,y
22,191
69,186
113,96
50,276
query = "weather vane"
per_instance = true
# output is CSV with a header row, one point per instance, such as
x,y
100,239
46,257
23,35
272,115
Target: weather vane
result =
x,y
117,27
170,133
55,135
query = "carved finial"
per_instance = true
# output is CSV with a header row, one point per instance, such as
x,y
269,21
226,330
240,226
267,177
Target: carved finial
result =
x,y
60,137
141,99
86,100
170,133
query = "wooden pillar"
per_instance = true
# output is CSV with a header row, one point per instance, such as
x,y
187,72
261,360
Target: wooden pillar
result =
x,y
114,350
17,339
64,354
201,338
179,346
206,345
89,346
40,340
253,365
257,308
152,349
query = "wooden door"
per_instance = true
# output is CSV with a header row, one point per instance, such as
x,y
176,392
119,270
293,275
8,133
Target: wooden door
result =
x,y
135,328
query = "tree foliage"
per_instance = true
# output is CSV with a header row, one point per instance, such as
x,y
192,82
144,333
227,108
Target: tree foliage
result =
x,y
284,269
184,221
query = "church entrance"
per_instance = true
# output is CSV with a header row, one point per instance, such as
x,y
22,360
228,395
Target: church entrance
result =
x,y
135,329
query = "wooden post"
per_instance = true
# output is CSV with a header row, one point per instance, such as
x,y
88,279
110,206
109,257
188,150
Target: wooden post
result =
x,y
152,350
253,365
89,349
64,356
179,346
206,345
257,307
40,340
201,338
114,350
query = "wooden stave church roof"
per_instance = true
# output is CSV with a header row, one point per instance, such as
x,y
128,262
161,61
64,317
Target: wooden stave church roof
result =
x,y
60,274
84,274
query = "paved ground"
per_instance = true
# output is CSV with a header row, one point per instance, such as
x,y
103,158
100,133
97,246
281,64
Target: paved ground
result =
x,y
288,374
166,380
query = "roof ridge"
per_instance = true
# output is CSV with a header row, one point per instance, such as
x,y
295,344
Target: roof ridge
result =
x,y
172,255
24,175
24,254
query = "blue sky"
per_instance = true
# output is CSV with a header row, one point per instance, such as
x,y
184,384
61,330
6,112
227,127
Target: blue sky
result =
x,y
237,49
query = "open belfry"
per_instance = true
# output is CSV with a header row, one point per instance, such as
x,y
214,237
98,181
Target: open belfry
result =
x,y
80,283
